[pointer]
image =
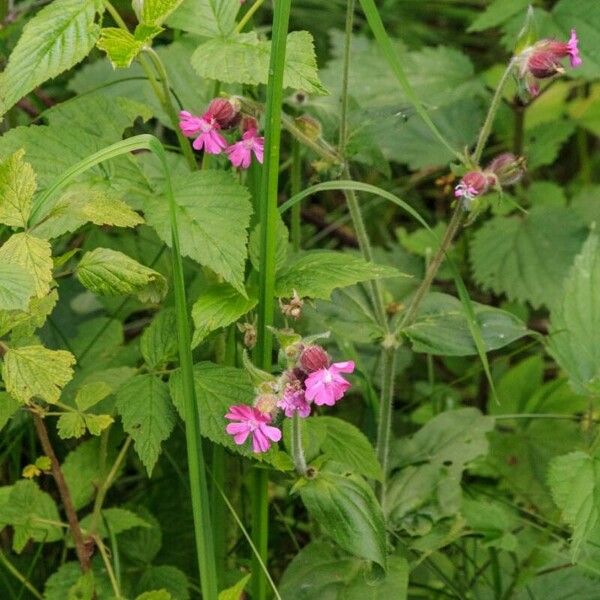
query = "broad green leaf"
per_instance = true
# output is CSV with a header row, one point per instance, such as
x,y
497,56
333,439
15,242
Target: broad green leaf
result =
x,y
142,545
8,407
213,214
17,186
36,372
90,394
158,343
282,237
315,274
118,520
17,286
23,324
147,415
208,18
527,258
244,58
543,143
155,595
64,582
219,305
32,254
80,205
441,327
574,480
84,588
346,509
235,592
82,471
70,425
26,506
393,585
167,578
492,519
110,273
575,321
497,13
122,46
96,424
154,12
348,446
56,38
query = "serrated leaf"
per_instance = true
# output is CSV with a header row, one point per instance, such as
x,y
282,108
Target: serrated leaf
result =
x,y
213,214
122,46
497,13
441,327
96,424
110,273
528,258
219,305
118,520
147,415
158,344
36,372
575,321
244,58
207,18
32,254
17,286
8,407
80,205
56,38
154,12
315,274
543,143
26,506
574,480
24,323
164,577
70,425
90,394
65,582
281,250
346,509
17,186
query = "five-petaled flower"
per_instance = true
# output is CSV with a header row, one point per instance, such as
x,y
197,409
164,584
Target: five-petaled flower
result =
x,y
240,153
327,386
250,421
205,129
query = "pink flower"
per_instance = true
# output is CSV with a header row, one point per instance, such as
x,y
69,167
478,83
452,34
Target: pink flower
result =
x,y
327,386
205,128
573,50
294,400
240,153
473,183
251,421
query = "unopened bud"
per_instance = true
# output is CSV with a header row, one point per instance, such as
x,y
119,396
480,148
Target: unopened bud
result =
x,y
266,403
225,113
292,352
309,126
314,358
249,123
293,308
507,168
473,183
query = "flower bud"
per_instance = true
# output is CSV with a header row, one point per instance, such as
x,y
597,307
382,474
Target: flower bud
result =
x,y
473,183
249,123
293,308
266,403
309,126
225,113
314,358
507,168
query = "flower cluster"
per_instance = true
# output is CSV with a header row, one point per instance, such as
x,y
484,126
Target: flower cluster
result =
x,y
543,60
312,379
221,115
505,169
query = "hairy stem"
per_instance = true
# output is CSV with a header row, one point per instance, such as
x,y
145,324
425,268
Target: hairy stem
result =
x,y
297,449
82,551
384,426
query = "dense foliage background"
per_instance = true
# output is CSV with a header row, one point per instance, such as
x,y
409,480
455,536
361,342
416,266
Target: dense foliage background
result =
x,y
490,486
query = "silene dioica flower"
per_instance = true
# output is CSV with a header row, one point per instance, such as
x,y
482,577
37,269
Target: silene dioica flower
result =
x,y
310,379
543,60
220,116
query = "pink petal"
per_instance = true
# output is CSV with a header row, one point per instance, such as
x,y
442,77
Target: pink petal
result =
x,y
272,433
343,367
260,443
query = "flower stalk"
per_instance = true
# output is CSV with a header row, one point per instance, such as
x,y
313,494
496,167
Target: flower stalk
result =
x,y
297,449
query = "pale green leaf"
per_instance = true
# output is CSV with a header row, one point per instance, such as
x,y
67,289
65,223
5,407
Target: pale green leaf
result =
x,y
147,415
120,46
96,424
90,394
32,254
574,480
110,273
575,321
8,407
213,214
208,18
244,58
80,205
158,343
155,595
36,372
17,186
235,592
56,38
315,274
219,305
17,286
23,323
154,12
70,425
527,258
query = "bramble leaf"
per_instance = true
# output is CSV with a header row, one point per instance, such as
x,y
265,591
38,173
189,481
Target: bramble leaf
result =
x,y
17,186
207,18
17,286
158,343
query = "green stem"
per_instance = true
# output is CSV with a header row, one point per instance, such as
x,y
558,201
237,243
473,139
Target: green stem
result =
x,y
244,20
384,426
297,449
19,576
268,219
296,183
109,570
486,129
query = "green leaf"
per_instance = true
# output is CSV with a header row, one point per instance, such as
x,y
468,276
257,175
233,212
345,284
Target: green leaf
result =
x,y
346,509
8,407
26,505
82,471
158,344
574,480
147,415
56,38
70,425
497,13
36,372
118,520
142,545
315,274
154,12
80,205
155,595
219,305
244,58
64,583
122,47
32,254
90,394
167,578
207,18
575,321
110,273
213,214
235,591
442,328
348,446
393,585
281,247
17,286
528,258
543,143
24,323
17,186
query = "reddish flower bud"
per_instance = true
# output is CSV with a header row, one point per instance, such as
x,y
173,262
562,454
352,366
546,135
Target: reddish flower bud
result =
x,y
473,183
223,112
544,64
249,123
507,168
314,358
